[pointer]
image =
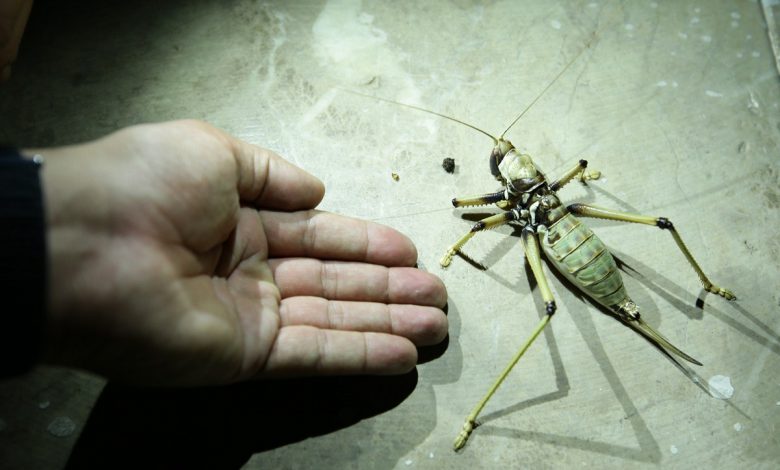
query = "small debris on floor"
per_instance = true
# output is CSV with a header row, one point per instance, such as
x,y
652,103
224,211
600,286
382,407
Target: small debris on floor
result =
x,y
720,387
61,427
448,164
395,176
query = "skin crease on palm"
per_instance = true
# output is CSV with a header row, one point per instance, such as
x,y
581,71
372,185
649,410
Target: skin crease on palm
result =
x,y
180,255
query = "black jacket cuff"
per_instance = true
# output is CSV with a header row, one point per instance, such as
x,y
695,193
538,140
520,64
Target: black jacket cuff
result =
x,y
23,263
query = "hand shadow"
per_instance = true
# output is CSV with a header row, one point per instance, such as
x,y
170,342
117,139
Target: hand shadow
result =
x,y
222,427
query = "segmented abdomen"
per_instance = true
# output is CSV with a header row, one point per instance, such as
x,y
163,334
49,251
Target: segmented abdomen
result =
x,y
582,257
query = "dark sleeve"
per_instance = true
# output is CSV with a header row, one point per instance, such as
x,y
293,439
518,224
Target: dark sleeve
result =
x,y
23,263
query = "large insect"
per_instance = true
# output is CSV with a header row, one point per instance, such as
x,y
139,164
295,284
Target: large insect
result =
x,y
529,199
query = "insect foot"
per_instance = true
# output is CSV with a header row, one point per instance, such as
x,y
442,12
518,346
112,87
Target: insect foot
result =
x,y
725,293
588,175
460,441
447,258
504,205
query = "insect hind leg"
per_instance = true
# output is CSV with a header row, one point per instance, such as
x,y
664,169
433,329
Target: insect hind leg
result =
x,y
579,171
663,223
533,256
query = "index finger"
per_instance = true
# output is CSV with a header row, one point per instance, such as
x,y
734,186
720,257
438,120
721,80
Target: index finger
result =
x,y
323,235
267,180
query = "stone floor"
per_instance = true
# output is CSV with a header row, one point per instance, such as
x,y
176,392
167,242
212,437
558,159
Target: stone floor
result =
x,y
675,102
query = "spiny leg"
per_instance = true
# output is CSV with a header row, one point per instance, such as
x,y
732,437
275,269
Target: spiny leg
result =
x,y
661,222
532,254
481,200
531,247
578,171
484,224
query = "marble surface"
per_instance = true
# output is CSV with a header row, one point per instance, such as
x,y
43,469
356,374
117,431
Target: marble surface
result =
x,y
675,102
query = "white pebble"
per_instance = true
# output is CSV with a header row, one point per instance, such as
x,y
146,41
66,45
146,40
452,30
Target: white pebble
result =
x,y
673,449
555,24
735,15
713,94
720,387
706,38
737,427
662,83
61,427
753,104
44,404
408,462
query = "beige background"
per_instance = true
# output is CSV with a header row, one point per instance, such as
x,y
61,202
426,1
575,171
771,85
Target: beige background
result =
x,y
675,102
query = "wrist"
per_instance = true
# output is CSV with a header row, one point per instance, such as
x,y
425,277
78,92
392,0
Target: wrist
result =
x,y
73,240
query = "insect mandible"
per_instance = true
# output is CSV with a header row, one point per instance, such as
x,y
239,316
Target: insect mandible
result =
x,y
551,229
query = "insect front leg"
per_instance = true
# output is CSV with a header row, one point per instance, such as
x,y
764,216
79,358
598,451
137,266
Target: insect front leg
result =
x,y
532,254
484,224
481,200
660,222
578,171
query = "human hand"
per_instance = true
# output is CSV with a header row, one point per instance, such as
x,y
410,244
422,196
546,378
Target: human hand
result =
x,y
13,19
180,255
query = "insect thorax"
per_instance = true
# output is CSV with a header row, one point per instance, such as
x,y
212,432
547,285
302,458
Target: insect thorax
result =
x,y
518,167
551,209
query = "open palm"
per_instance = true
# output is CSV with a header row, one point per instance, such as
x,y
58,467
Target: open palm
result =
x,y
180,255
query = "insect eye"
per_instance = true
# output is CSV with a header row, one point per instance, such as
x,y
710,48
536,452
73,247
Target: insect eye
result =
x,y
495,160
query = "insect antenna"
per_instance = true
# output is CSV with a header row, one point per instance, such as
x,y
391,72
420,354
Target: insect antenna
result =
x,y
551,83
495,140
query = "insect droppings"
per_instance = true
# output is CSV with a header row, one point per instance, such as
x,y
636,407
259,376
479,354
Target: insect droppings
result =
x,y
448,164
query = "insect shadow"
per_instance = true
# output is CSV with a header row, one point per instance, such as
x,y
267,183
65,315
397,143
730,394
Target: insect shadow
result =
x,y
656,282
648,450
675,295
